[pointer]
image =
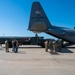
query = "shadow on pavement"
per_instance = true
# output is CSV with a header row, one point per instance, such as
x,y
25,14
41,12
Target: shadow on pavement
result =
x,y
54,53
65,50
29,47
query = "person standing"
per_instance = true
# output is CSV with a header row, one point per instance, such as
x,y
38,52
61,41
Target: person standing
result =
x,y
6,46
15,44
51,45
12,45
46,45
0,45
55,46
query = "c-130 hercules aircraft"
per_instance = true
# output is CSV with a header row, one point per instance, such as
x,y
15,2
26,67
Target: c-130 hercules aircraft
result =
x,y
40,23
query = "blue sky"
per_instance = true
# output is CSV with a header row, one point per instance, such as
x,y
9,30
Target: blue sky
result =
x,y
15,14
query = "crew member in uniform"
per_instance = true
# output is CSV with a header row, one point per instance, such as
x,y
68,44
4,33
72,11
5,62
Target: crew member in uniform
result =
x,y
6,46
46,45
51,45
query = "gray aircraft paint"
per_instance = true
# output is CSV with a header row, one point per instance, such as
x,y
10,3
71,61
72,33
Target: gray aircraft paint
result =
x,y
40,23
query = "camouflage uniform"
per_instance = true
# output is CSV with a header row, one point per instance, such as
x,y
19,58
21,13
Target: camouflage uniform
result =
x,y
59,45
6,46
55,46
12,45
51,46
46,45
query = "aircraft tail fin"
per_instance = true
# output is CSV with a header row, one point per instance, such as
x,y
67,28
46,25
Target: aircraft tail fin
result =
x,y
38,19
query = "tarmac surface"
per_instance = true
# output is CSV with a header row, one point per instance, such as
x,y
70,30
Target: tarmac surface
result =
x,y
33,60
